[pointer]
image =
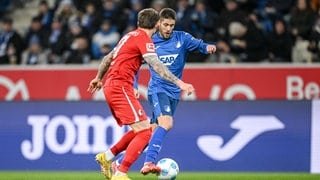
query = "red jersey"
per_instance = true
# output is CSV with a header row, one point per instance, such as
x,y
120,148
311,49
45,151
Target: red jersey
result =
x,y
127,57
118,89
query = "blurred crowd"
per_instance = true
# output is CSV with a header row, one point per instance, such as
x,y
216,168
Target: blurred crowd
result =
x,y
83,31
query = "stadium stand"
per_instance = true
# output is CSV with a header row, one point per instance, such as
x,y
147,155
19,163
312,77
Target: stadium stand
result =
x,y
66,31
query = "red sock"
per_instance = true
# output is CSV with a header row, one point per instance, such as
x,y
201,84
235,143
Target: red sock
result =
x,y
134,149
123,143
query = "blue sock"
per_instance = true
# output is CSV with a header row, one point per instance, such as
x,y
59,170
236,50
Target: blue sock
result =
x,y
120,158
155,144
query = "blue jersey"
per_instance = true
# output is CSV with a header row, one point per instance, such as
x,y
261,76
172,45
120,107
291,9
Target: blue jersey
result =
x,y
172,52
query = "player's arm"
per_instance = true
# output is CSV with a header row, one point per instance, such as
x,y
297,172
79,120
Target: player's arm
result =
x,y
104,65
164,72
193,43
96,83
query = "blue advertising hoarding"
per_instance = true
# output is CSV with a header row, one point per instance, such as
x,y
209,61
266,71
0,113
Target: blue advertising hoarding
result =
x,y
207,136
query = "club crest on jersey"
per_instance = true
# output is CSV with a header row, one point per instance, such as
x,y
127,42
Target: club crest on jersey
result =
x,y
168,59
150,47
178,44
167,108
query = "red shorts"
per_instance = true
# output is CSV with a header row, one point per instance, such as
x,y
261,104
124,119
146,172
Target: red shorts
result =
x,y
124,106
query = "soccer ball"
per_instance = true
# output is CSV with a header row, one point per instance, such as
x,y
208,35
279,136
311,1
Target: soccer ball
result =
x,y
169,169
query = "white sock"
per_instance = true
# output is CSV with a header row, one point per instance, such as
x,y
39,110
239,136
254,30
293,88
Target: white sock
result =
x,y
109,155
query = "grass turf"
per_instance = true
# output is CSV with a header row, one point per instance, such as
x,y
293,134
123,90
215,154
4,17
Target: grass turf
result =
x,y
84,175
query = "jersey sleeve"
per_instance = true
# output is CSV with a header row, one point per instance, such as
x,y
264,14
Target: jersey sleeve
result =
x,y
193,43
145,45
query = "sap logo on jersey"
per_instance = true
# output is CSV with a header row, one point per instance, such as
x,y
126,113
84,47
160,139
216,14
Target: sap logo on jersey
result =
x,y
168,59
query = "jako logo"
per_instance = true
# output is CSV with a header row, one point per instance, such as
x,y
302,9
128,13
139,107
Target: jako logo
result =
x,y
76,135
249,127
168,59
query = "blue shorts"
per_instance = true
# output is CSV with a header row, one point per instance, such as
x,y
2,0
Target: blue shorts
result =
x,y
162,104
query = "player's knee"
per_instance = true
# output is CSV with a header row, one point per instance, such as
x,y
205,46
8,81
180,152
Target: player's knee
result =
x,y
141,125
166,122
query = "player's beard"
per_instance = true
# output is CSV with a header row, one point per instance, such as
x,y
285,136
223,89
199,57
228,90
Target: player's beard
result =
x,y
165,35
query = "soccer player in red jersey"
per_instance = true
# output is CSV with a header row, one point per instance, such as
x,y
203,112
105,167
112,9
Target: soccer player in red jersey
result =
x,y
120,66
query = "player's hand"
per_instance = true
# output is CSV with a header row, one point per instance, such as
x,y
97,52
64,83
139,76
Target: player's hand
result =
x,y
95,85
211,48
188,88
136,93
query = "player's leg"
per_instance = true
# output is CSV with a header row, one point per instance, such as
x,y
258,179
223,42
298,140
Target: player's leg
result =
x,y
163,109
132,142
132,114
154,147
105,158
153,101
143,133
126,110
116,162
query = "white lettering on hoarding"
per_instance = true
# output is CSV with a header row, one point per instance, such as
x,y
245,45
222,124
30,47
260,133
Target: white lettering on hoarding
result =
x,y
249,127
297,90
73,93
98,96
232,91
14,89
33,150
191,97
239,89
100,126
51,133
76,134
215,92
294,88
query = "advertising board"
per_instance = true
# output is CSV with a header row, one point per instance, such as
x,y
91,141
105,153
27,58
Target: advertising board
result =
x,y
211,83
217,135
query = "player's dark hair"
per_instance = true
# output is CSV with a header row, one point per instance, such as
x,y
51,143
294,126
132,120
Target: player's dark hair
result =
x,y
148,18
168,13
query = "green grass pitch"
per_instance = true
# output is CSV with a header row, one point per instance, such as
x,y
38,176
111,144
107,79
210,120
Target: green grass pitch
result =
x,y
83,175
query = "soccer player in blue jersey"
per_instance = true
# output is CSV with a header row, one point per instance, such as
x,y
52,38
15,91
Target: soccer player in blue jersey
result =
x,y
172,48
